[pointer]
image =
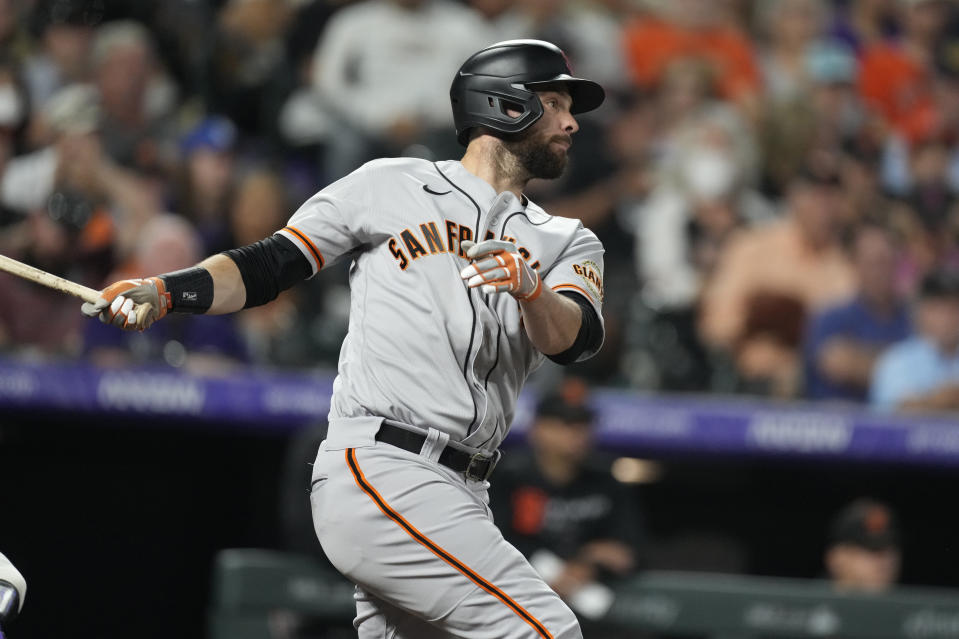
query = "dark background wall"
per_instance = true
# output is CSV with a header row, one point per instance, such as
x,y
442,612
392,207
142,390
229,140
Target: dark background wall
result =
x,y
115,525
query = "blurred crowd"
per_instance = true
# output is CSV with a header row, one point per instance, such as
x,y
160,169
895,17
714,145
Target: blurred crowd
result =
x,y
775,181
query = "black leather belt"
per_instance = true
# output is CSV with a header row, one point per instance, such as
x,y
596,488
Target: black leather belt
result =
x,y
477,466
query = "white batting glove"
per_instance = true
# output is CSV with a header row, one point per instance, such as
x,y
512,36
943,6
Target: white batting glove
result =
x,y
130,304
498,268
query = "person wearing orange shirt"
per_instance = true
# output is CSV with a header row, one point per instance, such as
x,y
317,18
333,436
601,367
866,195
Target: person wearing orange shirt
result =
x,y
896,78
691,28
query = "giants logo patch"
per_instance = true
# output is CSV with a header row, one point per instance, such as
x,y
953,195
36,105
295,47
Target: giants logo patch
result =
x,y
589,272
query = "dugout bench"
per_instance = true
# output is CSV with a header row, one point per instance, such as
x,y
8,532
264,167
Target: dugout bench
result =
x,y
255,590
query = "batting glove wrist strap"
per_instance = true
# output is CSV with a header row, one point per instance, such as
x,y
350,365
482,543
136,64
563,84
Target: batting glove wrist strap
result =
x,y
537,290
188,291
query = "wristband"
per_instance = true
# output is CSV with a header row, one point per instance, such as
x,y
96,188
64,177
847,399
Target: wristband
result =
x,y
190,290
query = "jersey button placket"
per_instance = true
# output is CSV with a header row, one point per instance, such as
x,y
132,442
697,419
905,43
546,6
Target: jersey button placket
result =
x,y
500,204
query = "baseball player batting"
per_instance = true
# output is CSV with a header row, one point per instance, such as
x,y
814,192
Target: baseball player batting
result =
x,y
460,288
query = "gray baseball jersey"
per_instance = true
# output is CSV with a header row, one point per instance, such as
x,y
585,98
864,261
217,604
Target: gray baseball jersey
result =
x,y
422,348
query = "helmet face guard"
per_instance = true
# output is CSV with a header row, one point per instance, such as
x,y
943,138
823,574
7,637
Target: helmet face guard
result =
x,y
506,75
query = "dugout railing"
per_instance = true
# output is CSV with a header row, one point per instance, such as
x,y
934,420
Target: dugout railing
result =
x,y
255,592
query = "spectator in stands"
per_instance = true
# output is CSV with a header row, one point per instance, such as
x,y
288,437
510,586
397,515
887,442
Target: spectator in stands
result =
x,y
390,92
843,342
206,180
790,27
302,123
833,71
930,197
934,123
62,196
770,277
924,171
63,54
687,95
826,114
693,28
249,73
863,199
944,117
563,509
134,95
925,215
922,373
896,77
701,198
72,180
202,345
863,554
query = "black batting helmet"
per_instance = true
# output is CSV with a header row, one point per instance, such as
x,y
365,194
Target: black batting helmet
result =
x,y
506,74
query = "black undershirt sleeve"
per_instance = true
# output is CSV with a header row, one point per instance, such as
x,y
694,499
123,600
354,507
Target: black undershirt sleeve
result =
x,y
590,331
268,267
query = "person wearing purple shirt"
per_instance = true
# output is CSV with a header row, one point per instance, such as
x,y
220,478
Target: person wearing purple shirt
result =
x,y
843,342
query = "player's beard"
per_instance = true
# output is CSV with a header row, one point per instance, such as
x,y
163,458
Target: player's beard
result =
x,y
536,156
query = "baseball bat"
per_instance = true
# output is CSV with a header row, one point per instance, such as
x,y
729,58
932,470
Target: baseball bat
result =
x,y
50,280
55,282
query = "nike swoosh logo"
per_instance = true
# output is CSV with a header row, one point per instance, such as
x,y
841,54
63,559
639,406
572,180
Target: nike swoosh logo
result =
x,y
429,190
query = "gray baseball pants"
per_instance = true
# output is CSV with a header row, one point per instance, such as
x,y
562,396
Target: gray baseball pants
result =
x,y
419,542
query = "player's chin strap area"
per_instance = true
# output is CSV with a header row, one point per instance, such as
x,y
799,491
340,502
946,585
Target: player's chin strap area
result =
x,y
478,466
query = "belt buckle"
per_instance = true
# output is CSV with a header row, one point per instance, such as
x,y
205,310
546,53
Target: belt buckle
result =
x,y
479,458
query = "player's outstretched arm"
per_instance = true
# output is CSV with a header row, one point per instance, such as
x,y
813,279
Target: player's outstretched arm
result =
x,y
248,276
